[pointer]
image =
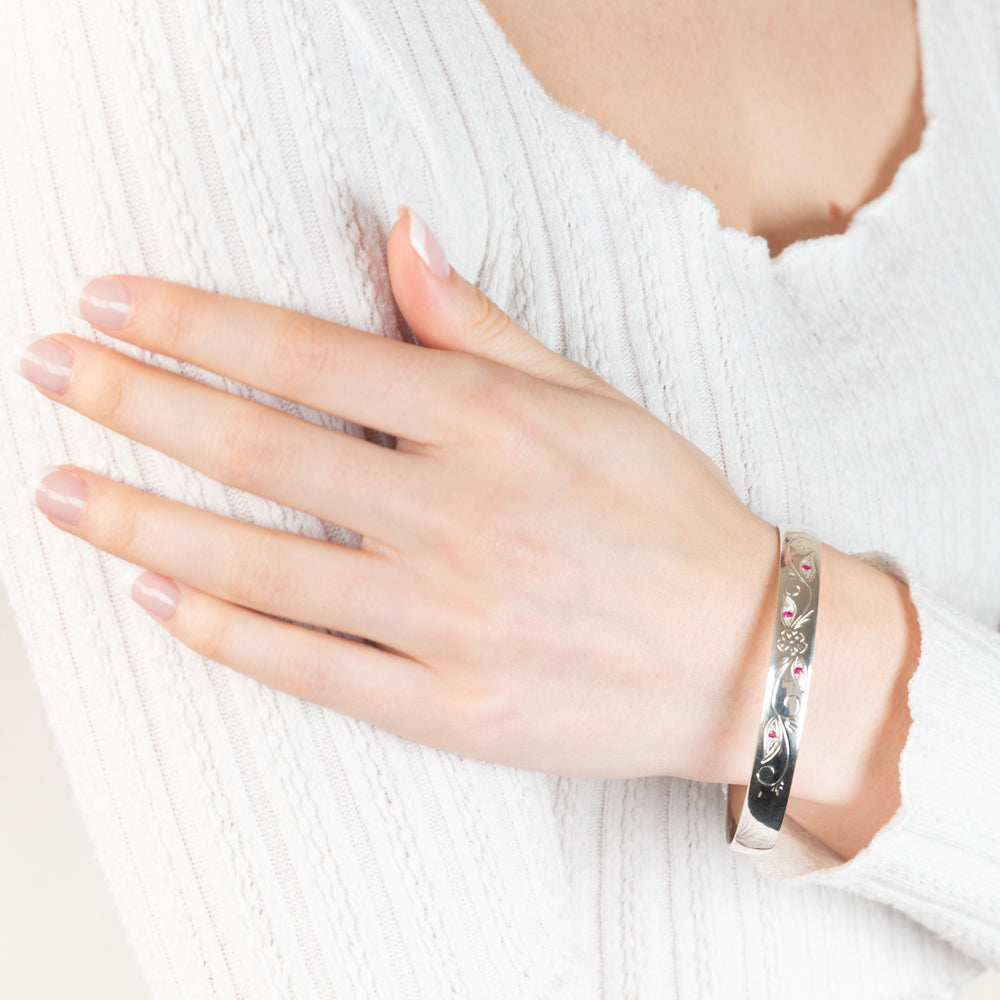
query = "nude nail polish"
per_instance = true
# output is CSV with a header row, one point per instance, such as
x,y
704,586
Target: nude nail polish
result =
x,y
103,302
57,492
43,361
153,592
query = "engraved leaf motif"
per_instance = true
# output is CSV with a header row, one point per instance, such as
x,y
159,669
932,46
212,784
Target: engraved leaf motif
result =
x,y
800,678
772,743
788,609
807,566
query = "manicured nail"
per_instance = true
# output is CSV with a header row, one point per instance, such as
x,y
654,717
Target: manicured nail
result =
x,y
57,492
426,244
101,301
157,594
43,361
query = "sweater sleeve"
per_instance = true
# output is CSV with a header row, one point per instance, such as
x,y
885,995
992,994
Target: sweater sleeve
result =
x,y
938,858
255,845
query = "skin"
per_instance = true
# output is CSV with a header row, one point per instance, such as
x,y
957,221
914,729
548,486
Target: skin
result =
x,y
788,115
521,482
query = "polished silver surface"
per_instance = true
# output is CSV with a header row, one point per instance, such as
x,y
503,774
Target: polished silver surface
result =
x,y
785,693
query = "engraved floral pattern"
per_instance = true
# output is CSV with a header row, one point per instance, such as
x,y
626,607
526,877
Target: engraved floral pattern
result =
x,y
791,641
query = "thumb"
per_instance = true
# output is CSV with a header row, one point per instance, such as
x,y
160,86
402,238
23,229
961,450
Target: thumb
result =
x,y
447,312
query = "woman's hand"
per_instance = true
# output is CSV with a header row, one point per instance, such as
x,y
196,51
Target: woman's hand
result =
x,y
549,577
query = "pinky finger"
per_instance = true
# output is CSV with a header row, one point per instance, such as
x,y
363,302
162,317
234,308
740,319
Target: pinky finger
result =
x,y
386,689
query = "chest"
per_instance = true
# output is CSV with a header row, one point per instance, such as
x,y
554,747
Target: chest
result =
x,y
789,116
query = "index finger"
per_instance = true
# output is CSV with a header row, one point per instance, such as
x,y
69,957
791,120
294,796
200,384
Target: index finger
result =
x,y
404,389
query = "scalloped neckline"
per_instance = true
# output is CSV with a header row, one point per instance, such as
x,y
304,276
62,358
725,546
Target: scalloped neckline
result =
x,y
798,249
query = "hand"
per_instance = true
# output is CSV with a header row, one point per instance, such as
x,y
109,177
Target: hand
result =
x,y
549,577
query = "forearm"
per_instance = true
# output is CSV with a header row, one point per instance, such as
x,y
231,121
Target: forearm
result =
x,y
845,785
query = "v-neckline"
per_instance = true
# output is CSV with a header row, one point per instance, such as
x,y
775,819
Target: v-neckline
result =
x,y
754,245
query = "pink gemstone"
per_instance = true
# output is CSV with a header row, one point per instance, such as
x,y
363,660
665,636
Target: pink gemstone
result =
x,y
772,734
787,614
805,566
798,670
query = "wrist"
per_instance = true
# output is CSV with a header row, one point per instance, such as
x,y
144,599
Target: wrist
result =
x,y
754,623
845,785
866,651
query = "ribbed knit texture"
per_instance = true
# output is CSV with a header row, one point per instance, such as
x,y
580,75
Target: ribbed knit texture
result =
x,y
263,847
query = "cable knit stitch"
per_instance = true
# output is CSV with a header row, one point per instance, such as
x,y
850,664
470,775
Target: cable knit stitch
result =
x,y
258,846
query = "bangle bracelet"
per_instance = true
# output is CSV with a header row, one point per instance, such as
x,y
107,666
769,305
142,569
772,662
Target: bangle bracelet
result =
x,y
784,696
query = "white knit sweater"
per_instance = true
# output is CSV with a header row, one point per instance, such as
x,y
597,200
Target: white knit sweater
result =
x,y
263,847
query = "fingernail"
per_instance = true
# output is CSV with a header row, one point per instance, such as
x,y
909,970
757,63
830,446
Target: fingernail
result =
x,y
155,593
43,361
57,492
102,302
425,243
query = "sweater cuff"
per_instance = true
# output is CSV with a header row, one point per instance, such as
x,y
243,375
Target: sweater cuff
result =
x,y
938,858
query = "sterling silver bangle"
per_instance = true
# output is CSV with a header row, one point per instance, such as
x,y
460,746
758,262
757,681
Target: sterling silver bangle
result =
x,y
784,696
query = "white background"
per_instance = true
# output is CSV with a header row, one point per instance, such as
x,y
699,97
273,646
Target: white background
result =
x,y
60,935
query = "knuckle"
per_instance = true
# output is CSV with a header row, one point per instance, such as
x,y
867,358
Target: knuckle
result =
x,y
113,401
492,404
522,440
480,714
511,419
119,533
299,353
210,638
488,323
256,577
478,385
302,675
185,320
246,447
